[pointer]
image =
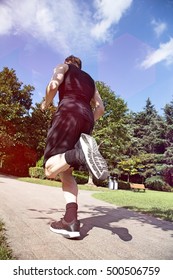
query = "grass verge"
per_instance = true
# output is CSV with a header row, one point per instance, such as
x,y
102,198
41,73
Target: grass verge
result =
x,y
58,184
5,251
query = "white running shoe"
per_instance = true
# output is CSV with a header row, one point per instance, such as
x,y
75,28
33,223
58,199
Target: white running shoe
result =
x,y
95,162
68,230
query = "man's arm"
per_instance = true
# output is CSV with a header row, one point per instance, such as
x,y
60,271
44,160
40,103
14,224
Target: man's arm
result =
x,y
55,82
97,105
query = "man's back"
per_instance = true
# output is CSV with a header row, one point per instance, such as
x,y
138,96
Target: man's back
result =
x,y
76,92
77,84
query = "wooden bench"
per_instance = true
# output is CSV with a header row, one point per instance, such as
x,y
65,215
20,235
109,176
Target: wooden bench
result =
x,y
137,187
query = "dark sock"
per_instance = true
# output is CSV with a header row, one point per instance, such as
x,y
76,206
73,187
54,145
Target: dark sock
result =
x,y
75,158
70,156
71,212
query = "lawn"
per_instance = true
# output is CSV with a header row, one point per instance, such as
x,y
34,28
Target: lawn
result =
x,y
156,203
5,251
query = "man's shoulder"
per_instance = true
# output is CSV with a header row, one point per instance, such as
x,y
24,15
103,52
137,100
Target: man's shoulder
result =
x,y
62,67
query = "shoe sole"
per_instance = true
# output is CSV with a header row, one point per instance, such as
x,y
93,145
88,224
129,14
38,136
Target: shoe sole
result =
x,y
65,233
94,159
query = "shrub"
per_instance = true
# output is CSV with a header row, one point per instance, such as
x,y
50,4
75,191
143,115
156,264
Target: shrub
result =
x,y
100,183
167,188
122,185
167,172
40,162
18,159
156,183
80,177
37,172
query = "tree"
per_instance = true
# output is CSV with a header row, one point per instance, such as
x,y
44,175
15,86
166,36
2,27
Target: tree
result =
x,y
141,167
168,112
149,129
39,124
15,103
168,155
130,166
133,145
111,131
168,115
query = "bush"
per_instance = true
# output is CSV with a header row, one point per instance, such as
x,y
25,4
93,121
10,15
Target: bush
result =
x,y
105,184
167,172
37,172
122,185
40,162
80,177
100,183
156,183
18,159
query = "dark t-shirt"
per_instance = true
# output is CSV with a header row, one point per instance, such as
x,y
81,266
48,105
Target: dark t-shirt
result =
x,y
76,92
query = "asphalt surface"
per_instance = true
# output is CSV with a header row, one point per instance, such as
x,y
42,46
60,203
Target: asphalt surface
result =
x,y
108,232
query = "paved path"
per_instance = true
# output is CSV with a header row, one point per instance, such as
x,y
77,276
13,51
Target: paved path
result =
x,y
108,232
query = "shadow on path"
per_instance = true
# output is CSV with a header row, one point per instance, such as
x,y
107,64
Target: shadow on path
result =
x,y
106,218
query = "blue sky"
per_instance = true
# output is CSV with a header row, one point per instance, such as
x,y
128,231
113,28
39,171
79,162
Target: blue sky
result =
x,y
127,44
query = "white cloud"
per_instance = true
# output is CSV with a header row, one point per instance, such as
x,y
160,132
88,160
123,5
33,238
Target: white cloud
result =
x,y
66,25
60,24
159,27
163,53
108,12
5,20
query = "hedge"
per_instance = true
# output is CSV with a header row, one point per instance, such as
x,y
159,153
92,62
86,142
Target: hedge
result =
x,y
122,185
81,177
37,172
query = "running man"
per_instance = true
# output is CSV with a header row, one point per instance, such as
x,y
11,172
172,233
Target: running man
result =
x,y
69,144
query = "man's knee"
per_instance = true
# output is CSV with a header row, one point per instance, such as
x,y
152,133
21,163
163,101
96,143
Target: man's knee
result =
x,y
49,174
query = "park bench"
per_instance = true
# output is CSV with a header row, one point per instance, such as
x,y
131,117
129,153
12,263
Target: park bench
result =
x,y
137,187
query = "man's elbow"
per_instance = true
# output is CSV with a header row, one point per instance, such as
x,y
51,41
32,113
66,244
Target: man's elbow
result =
x,y
53,86
101,110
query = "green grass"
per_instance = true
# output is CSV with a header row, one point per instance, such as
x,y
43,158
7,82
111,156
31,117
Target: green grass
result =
x,y
40,181
158,204
5,251
58,184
